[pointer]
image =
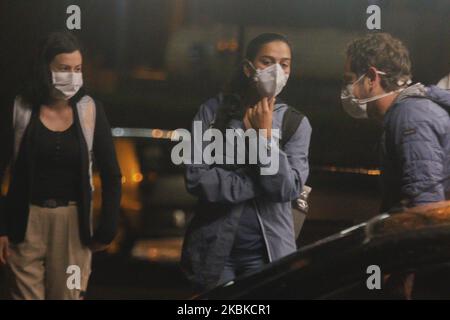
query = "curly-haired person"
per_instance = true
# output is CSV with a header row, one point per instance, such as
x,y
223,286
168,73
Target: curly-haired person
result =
x,y
415,143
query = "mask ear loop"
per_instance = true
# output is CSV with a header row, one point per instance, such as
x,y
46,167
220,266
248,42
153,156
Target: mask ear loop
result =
x,y
365,101
350,90
254,77
363,75
400,83
359,79
250,63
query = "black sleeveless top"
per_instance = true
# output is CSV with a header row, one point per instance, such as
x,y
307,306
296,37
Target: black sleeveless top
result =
x,y
57,167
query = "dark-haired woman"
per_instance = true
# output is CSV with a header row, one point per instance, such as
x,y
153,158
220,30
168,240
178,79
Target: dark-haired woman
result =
x,y
52,135
243,219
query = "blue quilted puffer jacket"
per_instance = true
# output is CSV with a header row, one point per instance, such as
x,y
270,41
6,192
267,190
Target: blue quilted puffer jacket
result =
x,y
416,148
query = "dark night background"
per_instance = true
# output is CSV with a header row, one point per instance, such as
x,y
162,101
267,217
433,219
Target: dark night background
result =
x,y
153,62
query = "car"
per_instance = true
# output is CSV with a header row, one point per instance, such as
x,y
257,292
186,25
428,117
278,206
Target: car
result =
x,y
143,260
408,251
155,205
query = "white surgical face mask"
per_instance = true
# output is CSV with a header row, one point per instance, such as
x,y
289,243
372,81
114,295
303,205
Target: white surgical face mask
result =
x,y
270,81
68,83
350,104
357,108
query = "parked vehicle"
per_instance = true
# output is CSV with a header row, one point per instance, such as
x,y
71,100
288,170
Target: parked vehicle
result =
x,y
411,249
155,204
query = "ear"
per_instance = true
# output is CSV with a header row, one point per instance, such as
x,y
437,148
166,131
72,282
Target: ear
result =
x,y
247,69
373,76
374,79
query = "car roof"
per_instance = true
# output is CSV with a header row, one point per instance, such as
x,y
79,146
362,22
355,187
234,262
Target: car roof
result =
x,y
381,237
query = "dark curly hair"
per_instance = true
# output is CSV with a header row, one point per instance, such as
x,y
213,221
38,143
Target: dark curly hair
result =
x,y
38,85
384,52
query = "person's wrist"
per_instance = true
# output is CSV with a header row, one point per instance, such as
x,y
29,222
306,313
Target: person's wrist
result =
x,y
266,133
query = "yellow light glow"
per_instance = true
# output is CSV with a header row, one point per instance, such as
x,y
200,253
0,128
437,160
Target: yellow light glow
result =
x,y
369,172
373,172
137,177
157,133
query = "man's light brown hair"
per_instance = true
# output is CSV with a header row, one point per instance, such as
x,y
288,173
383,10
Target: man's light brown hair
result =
x,y
384,52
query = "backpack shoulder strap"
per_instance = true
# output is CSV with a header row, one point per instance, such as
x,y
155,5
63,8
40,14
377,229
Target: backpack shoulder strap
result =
x,y
87,113
21,118
291,120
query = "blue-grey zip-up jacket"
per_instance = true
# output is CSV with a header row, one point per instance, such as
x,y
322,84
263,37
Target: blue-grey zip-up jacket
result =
x,y
223,193
416,148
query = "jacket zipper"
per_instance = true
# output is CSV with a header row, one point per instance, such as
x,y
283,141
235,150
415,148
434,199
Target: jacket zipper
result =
x,y
263,230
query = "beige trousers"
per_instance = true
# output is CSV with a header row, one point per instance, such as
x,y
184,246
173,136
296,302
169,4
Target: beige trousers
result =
x,y
51,263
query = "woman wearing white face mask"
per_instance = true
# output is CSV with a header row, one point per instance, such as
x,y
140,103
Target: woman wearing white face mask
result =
x,y
52,135
244,219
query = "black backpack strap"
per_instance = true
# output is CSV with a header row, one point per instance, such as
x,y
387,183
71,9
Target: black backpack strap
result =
x,y
291,120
